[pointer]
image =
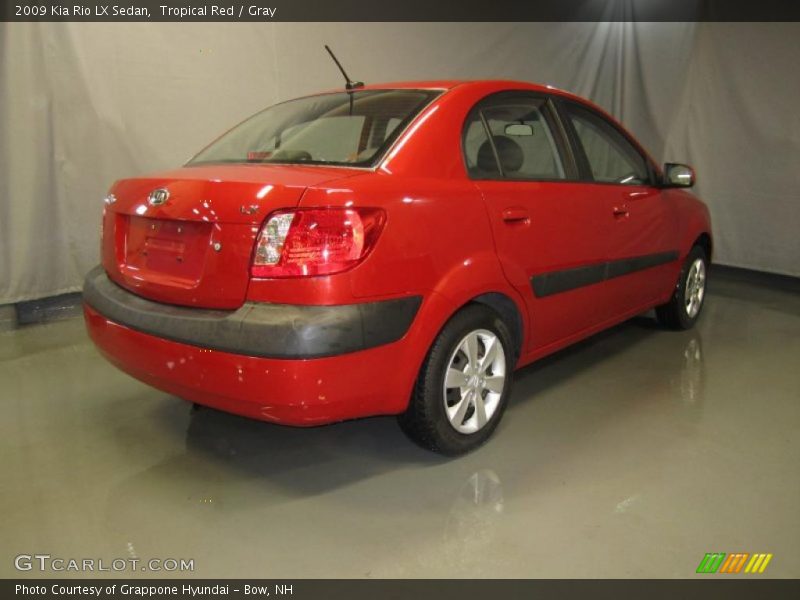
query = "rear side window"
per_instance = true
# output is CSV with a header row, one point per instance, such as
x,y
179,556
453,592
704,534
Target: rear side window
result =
x,y
510,137
611,157
476,141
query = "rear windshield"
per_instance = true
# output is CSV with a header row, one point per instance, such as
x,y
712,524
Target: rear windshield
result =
x,y
347,128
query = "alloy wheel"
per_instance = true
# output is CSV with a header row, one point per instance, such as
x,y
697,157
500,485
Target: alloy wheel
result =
x,y
474,381
695,287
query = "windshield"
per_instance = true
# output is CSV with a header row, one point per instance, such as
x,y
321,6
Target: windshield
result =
x,y
347,128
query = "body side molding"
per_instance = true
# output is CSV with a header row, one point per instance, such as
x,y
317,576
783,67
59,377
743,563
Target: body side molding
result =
x,y
556,282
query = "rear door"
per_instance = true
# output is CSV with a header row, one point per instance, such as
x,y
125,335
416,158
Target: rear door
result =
x,y
551,232
642,243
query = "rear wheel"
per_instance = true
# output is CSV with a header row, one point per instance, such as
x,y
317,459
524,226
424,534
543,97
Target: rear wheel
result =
x,y
683,309
464,384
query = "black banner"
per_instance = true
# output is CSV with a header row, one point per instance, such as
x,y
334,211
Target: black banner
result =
x,y
320,589
400,10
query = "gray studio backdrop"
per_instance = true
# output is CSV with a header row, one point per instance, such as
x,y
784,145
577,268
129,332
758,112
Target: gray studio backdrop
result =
x,y
84,104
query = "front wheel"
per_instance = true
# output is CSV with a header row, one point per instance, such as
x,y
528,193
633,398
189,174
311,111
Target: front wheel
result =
x,y
683,309
464,384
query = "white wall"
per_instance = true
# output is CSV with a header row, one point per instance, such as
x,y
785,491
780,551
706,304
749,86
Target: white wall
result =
x,y
83,104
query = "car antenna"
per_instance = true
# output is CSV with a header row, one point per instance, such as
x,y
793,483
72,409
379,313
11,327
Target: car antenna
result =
x,y
350,84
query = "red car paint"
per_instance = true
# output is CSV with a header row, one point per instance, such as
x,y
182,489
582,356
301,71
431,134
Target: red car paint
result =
x,y
447,239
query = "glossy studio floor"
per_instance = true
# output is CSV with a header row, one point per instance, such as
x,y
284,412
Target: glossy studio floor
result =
x,y
630,455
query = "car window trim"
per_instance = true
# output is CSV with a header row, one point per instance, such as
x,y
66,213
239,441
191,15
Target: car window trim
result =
x,y
490,138
562,147
571,170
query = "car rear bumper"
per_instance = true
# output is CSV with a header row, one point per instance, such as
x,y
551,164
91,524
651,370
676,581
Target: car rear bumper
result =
x,y
257,328
311,367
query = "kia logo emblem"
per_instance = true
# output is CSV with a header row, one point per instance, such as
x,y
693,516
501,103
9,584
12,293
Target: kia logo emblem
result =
x,y
158,197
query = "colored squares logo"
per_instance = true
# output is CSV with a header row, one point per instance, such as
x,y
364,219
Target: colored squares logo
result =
x,y
737,562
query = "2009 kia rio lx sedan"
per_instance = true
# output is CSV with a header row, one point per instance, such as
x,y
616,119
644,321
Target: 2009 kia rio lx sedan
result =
x,y
392,249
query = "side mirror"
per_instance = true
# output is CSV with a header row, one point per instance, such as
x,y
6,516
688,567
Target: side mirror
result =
x,y
518,129
677,175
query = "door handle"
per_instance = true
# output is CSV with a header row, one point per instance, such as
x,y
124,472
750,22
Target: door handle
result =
x,y
515,214
621,212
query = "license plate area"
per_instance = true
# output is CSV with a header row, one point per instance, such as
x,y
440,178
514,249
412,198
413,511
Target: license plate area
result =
x,y
164,252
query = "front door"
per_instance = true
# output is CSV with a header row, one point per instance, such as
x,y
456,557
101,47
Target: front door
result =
x,y
642,250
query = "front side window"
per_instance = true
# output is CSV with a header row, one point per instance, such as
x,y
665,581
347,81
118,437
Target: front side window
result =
x,y
347,128
611,157
521,144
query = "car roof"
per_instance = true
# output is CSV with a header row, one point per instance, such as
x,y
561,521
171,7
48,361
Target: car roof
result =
x,y
448,84
497,84
488,85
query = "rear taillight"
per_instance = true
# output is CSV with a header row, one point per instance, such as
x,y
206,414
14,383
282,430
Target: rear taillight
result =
x,y
315,241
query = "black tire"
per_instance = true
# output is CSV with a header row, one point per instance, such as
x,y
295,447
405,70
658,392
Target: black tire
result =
x,y
674,314
426,421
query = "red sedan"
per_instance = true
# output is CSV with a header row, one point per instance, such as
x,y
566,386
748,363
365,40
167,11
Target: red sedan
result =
x,y
392,249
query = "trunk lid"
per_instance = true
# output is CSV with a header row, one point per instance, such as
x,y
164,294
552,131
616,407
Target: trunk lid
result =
x,y
194,246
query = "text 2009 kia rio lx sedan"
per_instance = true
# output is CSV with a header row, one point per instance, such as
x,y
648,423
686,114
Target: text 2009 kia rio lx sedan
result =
x,y
393,249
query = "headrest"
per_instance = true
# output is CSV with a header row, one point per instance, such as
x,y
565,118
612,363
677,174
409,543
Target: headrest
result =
x,y
509,152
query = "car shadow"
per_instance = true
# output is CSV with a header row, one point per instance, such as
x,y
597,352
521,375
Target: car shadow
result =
x,y
342,452
533,380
